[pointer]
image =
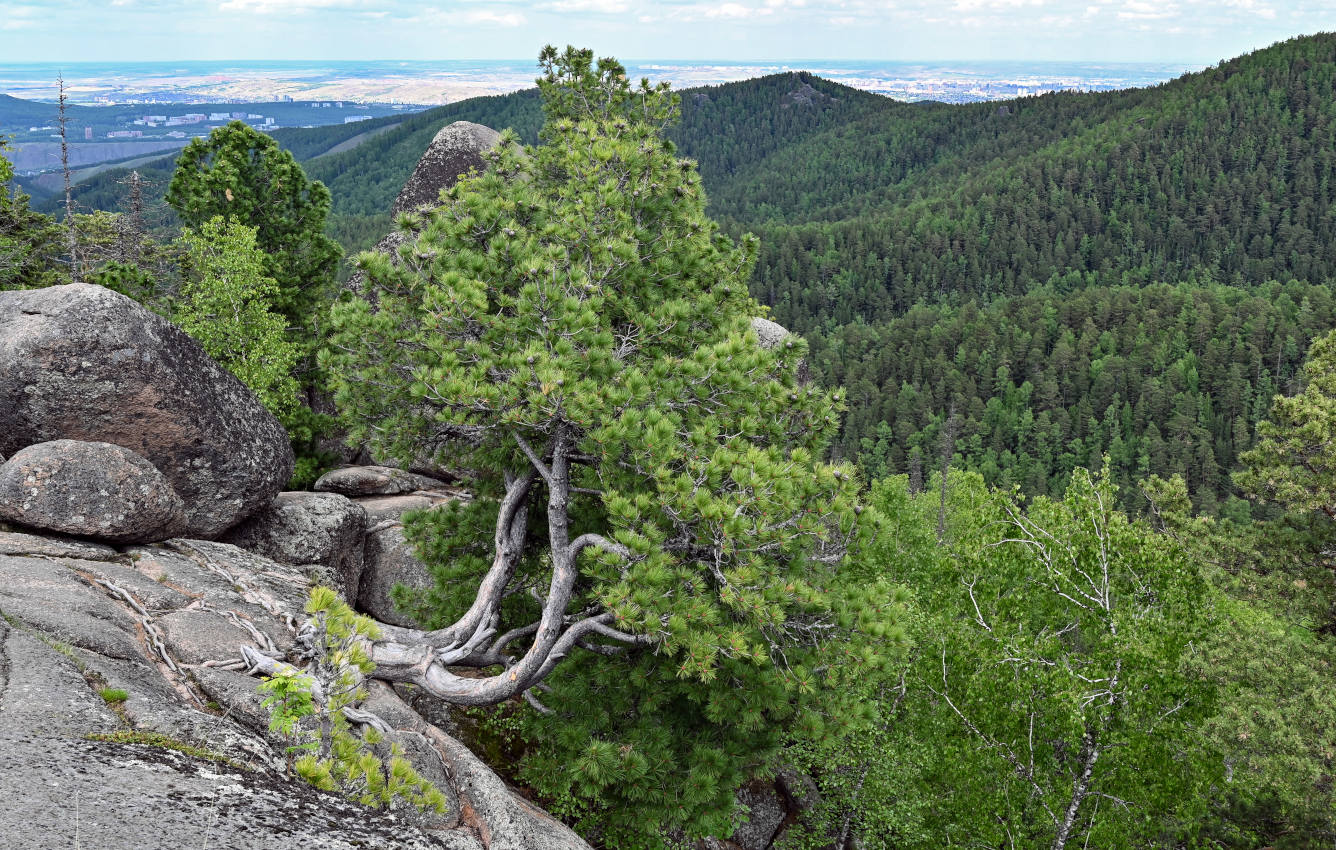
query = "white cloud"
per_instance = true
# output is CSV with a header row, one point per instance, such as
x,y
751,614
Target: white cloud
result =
x,y
278,7
1143,10
606,7
994,5
728,10
488,16
1258,9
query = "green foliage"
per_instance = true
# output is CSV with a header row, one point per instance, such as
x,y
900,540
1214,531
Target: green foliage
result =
x,y
287,695
116,251
1294,462
1163,379
575,298
1056,638
1270,657
113,696
228,306
365,768
126,278
243,176
31,245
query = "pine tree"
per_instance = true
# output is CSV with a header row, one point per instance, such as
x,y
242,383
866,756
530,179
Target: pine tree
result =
x,y
244,176
650,502
1294,461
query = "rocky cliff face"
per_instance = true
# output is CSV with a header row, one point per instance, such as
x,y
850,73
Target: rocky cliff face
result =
x,y
128,708
187,757
455,151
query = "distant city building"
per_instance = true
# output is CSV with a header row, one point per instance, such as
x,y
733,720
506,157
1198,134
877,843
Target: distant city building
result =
x,y
353,119
155,119
124,134
88,134
220,116
39,129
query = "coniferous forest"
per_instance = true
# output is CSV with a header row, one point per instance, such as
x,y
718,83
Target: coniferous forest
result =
x,y
1063,414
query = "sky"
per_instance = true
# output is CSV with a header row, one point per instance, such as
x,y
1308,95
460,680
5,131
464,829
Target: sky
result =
x,y
1188,31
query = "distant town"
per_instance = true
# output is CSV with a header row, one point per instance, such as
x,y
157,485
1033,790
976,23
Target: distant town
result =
x,y
122,121
437,83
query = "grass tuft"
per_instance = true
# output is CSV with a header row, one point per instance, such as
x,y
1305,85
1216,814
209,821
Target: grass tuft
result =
x,y
156,739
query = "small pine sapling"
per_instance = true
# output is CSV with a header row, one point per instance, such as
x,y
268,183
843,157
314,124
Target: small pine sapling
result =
x,y
365,767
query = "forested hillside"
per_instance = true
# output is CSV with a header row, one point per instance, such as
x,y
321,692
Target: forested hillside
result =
x,y
906,241
1222,179
1228,170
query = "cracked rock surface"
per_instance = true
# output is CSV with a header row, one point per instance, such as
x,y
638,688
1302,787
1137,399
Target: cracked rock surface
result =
x,y
187,758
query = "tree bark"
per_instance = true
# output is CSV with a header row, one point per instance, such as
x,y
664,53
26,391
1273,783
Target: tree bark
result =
x,y
1080,788
424,658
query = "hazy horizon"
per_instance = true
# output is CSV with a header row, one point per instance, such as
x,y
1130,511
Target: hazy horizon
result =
x,y
1192,31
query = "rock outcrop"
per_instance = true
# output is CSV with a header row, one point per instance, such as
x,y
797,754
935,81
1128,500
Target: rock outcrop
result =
x,y
390,561
91,490
355,545
373,481
323,530
456,150
771,335
81,362
187,757
768,334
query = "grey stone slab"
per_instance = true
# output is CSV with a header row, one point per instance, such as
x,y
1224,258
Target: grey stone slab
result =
x,y
20,543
